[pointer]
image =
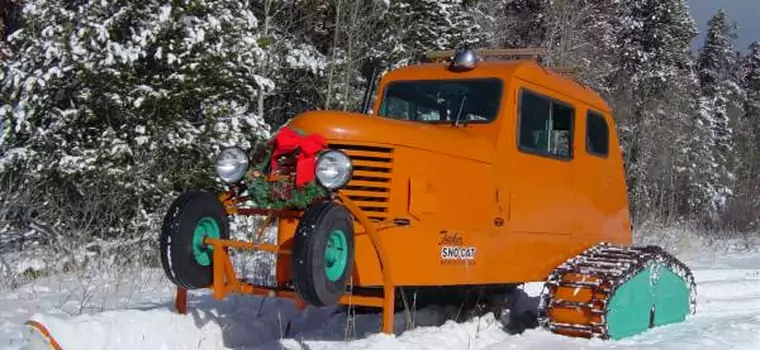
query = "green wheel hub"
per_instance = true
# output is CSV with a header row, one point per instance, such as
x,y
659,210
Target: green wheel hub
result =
x,y
336,255
206,227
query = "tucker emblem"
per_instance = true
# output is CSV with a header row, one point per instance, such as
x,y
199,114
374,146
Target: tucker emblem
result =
x,y
453,250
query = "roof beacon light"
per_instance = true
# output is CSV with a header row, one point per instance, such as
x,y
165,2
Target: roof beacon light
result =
x,y
463,60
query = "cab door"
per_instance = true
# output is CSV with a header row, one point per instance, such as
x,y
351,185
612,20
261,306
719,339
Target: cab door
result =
x,y
541,176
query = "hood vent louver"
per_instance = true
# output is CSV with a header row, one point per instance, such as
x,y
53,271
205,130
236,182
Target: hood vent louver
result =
x,y
370,185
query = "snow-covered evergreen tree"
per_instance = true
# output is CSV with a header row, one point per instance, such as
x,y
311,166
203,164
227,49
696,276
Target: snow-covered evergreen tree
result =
x,y
654,39
717,58
127,100
292,59
746,208
524,23
717,64
751,84
705,191
413,27
581,34
651,76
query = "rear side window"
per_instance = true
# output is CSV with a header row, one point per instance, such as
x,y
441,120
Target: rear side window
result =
x,y
546,126
597,135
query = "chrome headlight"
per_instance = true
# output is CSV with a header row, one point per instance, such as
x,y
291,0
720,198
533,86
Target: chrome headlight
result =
x,y
333,169
232,164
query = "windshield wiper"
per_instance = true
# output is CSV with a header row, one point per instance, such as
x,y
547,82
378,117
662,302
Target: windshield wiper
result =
x,y
459,113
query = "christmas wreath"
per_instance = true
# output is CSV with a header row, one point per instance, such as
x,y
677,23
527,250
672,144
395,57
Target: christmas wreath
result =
x,y
294,187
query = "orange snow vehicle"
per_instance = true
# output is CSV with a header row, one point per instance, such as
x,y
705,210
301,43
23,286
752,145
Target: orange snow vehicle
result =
x,y
468,175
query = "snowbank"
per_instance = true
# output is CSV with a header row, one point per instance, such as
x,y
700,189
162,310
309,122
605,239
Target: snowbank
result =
x,y
728,316
100,311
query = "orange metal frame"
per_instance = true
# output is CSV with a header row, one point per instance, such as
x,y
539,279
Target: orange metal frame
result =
x,y
225,280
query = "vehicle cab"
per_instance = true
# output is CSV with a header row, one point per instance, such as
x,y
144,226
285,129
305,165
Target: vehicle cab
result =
x,y
517,162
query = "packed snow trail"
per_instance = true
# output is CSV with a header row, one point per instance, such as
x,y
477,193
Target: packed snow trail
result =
x,y
139,315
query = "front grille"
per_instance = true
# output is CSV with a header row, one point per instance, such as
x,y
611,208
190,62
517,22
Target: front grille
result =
x,y
370,185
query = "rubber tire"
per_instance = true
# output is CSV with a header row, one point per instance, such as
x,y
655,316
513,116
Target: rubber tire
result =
x,y
309,277
176,239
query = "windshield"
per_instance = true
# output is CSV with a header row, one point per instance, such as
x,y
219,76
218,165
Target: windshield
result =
x,y
440,101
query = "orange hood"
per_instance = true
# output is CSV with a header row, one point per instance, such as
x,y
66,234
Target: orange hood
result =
x,y
369,129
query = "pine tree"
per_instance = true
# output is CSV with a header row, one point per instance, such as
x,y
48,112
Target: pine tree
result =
x,y
717,57
717,63
129,100
524,23
751,84
652,73
293,58
413,27
581,34
748,135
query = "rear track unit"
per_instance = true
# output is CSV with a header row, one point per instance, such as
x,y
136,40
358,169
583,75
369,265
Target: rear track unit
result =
x,y
612,292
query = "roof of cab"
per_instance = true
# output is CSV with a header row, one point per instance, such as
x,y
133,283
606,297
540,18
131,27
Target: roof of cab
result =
x,y
527,70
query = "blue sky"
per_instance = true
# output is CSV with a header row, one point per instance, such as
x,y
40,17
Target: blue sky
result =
x,y
744,12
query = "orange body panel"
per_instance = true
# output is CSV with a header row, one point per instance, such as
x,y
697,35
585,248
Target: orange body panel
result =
x,y
470,186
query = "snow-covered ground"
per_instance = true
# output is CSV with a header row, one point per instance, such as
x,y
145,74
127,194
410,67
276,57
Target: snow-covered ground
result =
x,y
134,311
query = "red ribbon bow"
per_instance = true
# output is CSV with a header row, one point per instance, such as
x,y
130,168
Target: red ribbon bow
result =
x,y
288,140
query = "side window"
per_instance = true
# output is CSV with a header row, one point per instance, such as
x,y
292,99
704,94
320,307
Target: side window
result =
x,y
562,130
534,122
546,126
597,134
